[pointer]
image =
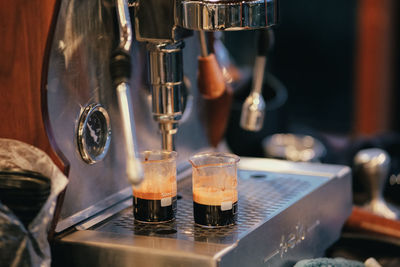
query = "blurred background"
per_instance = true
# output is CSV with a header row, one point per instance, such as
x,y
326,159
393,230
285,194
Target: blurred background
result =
x,y
333,74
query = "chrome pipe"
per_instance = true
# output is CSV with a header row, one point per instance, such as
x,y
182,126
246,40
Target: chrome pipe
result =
x,y
125,27
121,71
134,169
253,110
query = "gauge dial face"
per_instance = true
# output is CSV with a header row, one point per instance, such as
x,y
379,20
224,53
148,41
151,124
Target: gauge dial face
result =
x,y
94,133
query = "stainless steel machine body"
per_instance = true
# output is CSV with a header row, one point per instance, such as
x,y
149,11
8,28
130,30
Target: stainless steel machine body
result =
x,y
79,78
231,15
163,24
279,221
287,212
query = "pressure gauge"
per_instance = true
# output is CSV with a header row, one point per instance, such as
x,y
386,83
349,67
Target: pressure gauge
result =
x,y
94,133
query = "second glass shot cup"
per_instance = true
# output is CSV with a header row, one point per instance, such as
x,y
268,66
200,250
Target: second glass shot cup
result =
x,y
154,200
215,195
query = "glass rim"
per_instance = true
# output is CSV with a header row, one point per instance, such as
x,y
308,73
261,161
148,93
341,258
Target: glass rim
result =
x,y
235,159
172,155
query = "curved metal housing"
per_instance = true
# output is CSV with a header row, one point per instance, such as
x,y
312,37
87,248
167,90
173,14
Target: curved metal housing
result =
x,y
232,15
85,36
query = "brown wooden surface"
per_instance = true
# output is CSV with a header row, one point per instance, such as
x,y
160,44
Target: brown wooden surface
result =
x,y
374,81
364,221
25,30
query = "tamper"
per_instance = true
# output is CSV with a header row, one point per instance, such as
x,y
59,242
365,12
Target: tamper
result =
x,y
373,167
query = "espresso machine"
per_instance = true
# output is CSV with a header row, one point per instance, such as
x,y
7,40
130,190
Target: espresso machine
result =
x,y
115,86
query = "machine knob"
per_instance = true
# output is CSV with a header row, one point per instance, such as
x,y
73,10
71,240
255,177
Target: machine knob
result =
x,y
373,167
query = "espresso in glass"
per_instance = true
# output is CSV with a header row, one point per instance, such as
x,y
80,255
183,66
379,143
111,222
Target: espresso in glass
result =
x,y
210,210
215,196
154,200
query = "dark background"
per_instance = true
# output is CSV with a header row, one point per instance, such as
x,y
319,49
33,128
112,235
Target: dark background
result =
x,y
315,59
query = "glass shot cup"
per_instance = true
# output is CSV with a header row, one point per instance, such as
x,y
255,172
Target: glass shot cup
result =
x,y
215,196
154,200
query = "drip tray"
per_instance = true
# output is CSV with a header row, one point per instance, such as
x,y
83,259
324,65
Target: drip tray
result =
x,y
282,218
261,196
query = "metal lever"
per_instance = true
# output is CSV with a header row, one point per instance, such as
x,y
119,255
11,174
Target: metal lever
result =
x,y
120,72
373,166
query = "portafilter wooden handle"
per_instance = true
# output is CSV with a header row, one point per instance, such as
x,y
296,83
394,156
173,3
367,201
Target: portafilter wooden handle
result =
x,y
210,80
365,221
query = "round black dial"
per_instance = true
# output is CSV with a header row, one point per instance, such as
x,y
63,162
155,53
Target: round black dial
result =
x,y
94,133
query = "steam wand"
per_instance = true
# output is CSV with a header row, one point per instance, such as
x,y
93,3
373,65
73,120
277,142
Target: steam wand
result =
x,y
120,72
253,109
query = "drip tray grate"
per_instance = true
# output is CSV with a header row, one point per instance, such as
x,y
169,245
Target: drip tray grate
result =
x,y
262,195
